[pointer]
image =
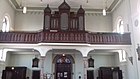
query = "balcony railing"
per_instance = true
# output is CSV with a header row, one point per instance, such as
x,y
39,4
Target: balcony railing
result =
x,y
65,37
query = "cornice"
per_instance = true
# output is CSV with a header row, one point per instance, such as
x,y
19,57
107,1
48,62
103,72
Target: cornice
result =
x,y
113,5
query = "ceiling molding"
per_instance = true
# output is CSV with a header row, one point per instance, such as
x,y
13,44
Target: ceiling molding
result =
x,y
18,8
113,5
15,4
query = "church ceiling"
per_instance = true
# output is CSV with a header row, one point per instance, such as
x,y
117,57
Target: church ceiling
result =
x,y
88,5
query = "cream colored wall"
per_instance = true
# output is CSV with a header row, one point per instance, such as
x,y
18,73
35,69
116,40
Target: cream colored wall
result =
x,y
102,61
4,64
22,60
121,11
98,22
77,66
135,15
122,65
125,10
6,8
33,21
2,67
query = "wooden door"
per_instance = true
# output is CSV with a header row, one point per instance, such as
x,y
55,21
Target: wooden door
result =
x,y
63,68
36,75
7,74
90,74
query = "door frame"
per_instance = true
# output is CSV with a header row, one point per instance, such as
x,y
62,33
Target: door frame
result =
x,y
56,57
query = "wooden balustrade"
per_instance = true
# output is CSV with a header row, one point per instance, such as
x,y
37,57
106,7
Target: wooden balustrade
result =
x,y
18,37
109,38
65,37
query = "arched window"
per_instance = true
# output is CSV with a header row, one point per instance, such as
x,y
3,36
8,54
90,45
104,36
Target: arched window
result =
x,y
122,55
5,24
63,60
120,26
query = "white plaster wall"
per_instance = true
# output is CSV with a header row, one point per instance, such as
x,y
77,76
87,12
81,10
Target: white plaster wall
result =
x,y
121,11
48,63
98,23
33,21
133,6
8,57
122,65
26,60
78,67
6,8
135,15
22,60
136,32
102,61
124,10
2,67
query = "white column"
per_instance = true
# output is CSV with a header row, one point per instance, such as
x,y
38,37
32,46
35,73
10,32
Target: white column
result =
x,y
85,67
42,75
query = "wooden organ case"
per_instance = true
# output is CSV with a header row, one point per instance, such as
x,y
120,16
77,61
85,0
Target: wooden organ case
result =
x,y
14,73
110,73
64,20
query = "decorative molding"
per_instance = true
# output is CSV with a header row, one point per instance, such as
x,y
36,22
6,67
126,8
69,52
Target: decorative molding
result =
x,y
94,14
41,13
136,22
113,5
30,12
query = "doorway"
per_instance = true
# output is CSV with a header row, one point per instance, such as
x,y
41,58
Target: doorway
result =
x,y
36,74
63,67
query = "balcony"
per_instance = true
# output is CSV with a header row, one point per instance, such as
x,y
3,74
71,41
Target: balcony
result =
x,y
65,37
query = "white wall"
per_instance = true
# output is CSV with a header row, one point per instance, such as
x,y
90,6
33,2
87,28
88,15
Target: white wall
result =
x,y
135,15
98,23
33,21
3,64
22,60
102,61
6,8
78,66
124,9
122,65
2,67
121,11
26,60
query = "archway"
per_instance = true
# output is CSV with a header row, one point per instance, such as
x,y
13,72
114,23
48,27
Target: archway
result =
x,y
63,66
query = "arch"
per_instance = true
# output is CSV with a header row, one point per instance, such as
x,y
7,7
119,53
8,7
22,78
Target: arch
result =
x,y
60,55
119,25
63,66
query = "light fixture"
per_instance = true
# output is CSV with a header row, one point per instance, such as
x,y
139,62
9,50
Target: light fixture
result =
x,y
104,12
23,4
12,68
63,54
24,9
105,8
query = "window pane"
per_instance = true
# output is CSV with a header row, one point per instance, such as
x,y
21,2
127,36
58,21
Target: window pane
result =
x,y
5,25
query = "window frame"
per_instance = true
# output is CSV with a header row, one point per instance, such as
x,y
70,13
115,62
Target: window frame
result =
x,y
120,26
6,24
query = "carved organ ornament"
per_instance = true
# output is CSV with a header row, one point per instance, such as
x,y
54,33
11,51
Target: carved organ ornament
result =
x,y
64,20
